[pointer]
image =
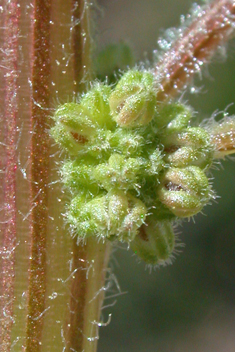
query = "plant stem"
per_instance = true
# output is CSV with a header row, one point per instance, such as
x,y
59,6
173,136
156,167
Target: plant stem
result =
x,y
210,28
87,292
8,224
41,66
51,288
89,261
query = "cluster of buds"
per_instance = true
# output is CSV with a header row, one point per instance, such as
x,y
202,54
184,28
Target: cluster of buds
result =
x,y
134,166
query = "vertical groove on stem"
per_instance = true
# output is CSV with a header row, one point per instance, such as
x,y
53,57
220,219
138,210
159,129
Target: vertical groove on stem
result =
x,y
211,27
90,263
39,172
81,43
81,69
77,299
90,260
10,58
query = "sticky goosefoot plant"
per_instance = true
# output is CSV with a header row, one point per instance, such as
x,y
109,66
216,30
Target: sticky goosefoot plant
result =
x,y
133,163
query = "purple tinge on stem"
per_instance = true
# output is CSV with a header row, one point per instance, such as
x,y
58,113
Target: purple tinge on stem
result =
x,y
211,26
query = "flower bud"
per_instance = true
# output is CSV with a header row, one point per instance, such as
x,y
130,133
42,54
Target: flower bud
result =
x,y
133,100
127,142
184,191
222,136
173,118
78,177
126,214
154,242
80,125
191,146
88,218
95,104
115,215
76,119
117,210
133,220
73,142
73,128
155,163
119,172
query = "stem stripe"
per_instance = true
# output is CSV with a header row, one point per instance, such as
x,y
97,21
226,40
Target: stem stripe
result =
x,y
81,66
41,67
10,58
77,299
81,43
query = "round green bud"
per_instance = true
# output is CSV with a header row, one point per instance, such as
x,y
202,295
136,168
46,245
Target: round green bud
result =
x,y
127,142
117,210
222,135
88,218
96,146
119,172
154,242
73,142
155,163
126,214
191,146
78,176
133,220
83,127
184,191
172,117
75,119
133,100
115,215
95,104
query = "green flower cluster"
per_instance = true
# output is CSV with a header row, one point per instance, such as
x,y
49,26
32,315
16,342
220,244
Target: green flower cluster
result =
x,y
134,166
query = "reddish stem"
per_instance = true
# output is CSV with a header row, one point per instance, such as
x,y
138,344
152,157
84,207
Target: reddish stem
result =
x,y
39,172
210,28
81,68
10,58
78,299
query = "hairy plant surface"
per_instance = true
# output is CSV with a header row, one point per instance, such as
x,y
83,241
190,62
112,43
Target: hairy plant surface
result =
x,y
133,161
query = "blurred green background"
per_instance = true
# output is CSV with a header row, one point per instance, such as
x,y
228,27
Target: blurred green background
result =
x,y
190,305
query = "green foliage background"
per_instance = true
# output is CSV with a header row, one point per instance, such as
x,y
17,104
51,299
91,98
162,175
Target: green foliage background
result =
x,y
190,305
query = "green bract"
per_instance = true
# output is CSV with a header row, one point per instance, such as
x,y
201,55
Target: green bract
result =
x,y
133,167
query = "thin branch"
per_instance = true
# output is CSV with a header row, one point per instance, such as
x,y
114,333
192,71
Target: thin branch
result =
x,y
210,28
